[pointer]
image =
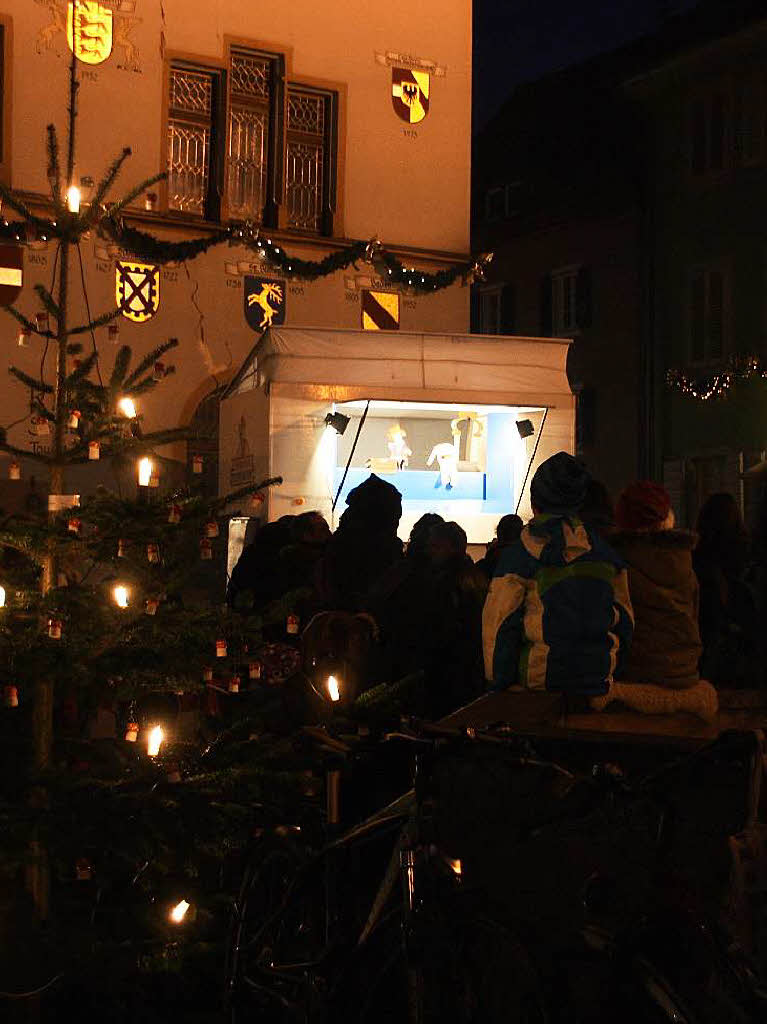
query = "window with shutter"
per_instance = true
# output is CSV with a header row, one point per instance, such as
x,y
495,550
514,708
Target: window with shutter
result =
x,y
564,300
490,310
707,315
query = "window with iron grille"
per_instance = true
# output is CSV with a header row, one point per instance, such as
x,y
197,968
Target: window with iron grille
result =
x,y
307,171
190,139
270,150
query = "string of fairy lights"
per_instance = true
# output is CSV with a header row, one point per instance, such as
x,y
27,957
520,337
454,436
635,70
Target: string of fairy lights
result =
x,y
704,388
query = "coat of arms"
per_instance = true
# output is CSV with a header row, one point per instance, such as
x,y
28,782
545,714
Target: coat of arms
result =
x,y
380,311
264,302
137,290
93,29
410,94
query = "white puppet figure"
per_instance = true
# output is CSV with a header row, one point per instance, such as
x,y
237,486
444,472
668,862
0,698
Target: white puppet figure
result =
x,y
446,455
398,446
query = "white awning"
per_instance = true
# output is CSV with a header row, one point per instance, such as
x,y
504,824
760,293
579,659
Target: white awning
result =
x,y
371,364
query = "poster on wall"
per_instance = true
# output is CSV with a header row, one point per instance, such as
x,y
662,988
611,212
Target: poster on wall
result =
x,y
137,290
410,94
380,311
264,302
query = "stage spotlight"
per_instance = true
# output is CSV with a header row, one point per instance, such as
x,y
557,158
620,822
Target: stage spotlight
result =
x,y
337,421
525,428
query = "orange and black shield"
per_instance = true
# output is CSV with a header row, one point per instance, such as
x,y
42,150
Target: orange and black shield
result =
x,y
410,94
380,311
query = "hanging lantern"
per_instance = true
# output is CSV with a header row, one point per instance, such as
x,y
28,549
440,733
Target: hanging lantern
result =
x,y
220,648
25,337
256,502
122,548
74,419
254,670
207,675
234,684
40,427
197,463
211,528
74,526
174,514
113,334
94,451
152,604
145,469
206,549
83,870
131,731
159,371
11,696
150,202
54,629
14,471
153,553
292,625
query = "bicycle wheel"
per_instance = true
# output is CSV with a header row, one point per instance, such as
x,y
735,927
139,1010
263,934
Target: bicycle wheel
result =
x,y
270,932
462,967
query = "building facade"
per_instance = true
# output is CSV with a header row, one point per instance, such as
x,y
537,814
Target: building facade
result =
x,y
314,123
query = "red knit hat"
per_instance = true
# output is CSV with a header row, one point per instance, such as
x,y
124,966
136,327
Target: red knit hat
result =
x,y
642,506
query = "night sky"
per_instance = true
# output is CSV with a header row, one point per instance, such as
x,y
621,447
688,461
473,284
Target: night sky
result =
x,y
520,40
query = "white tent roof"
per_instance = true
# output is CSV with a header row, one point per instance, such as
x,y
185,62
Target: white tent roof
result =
x,y
512,370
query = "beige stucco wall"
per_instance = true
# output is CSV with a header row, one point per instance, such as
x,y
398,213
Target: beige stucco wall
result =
x,y
409,186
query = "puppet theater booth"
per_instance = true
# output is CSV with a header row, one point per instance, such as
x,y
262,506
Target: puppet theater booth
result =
x,y
453,421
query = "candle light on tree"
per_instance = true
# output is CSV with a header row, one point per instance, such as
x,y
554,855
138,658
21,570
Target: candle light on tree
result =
x,y
127,407
155,740
179,911
73,199
145,468
121,595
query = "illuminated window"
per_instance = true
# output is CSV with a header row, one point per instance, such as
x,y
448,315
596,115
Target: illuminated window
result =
x,y
308,174
268,151
191,128
707,313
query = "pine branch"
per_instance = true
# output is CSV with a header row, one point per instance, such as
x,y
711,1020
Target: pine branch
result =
x,y
25,322
243,492
134,193
9,197
22,452
100,321
150,359
170,436
82,371
30,382
41,410
120,368
54,166
104,186
47,300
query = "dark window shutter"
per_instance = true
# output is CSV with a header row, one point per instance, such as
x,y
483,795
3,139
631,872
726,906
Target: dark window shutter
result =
x,y
546,310
474,311
585,419
508,311
717,124
698,317
698,137
715,314
583,298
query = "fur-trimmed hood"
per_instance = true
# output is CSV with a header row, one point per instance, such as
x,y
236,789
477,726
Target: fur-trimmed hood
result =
x,y
663,556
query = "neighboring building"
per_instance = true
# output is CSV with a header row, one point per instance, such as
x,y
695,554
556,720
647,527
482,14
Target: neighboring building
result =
x,y
282,115
627,203
556,197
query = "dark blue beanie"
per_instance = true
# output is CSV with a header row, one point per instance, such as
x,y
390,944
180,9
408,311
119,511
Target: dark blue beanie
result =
x,y
559,485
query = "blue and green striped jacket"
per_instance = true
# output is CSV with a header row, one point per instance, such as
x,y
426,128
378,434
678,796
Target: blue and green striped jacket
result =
x,y
558,614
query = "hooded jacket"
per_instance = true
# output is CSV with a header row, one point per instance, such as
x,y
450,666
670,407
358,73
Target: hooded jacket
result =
x,y
666,647
558,615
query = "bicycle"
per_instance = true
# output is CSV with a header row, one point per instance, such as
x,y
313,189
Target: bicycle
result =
x,y
423,942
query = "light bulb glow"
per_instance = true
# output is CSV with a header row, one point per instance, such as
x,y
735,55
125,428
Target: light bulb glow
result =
x,y
120,594
333,689
145,468
154,742
127,407
179,912
73,199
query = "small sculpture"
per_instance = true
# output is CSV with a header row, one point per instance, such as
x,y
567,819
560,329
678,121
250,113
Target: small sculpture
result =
x,y
447,460
398,446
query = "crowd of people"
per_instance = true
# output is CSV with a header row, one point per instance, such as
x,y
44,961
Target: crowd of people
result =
x,y
598,601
